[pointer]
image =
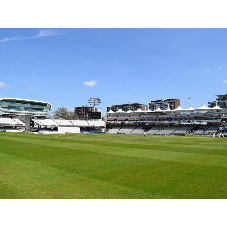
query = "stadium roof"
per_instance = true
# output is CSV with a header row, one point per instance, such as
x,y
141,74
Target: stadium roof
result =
x,y
179,109
139,111
120,111
190,109
158,110
216,108
168,110
203,108
24,106
148,111
111,111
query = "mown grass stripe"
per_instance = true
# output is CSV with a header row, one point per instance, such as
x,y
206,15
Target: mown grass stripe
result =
x,y
36,180
112,166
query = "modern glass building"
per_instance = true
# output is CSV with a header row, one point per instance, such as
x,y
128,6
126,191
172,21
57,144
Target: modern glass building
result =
x,y
164,104
128,106
221,101
24,106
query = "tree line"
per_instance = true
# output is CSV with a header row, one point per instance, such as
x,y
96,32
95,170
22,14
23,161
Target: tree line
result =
x,y
63,113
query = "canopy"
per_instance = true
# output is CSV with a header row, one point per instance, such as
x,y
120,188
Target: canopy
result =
x,y
120,111
216,108
129,111
168,110
158,110
148,111
190,109
111,111
203,108
138,111
179,109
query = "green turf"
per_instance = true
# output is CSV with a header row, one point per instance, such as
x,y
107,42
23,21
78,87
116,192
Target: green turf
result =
x,y
112,166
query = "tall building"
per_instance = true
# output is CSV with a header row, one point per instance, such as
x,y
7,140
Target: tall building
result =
x,y
221,101
86,113
128,106
164,104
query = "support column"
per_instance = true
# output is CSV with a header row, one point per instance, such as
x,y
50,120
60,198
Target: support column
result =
x,y
27,123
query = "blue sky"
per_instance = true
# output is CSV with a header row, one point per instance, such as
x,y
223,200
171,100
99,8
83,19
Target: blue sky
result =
x,y
120,65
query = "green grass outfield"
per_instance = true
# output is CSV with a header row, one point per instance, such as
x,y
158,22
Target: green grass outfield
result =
x,y
109,166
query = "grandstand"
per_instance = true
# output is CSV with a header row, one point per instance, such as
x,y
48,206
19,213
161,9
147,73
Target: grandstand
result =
x,y
184,129
165,129
211,130
11,124
45,122
24,106
63,122
69,125
199,130
5,121
155,129
138,130
168,130
191,121
114,129
34,115
14,124
126,129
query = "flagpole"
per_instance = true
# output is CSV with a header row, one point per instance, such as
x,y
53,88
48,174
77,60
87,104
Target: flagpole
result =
x,y
190,101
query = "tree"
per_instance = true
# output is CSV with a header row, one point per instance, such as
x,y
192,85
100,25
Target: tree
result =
x,y
63,113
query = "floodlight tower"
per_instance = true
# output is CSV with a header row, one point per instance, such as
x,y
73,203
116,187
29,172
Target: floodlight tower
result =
x,y
94,102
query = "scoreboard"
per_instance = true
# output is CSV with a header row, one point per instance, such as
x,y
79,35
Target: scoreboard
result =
x,y
94,115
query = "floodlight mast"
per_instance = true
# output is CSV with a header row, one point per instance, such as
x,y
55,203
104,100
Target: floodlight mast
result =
x,y
94,102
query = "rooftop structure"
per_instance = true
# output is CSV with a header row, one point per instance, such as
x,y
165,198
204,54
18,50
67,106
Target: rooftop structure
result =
x,y
127,107
88,113
201,115
24,106
221,101
164,104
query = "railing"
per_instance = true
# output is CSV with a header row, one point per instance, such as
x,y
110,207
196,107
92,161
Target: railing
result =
x,y
5,104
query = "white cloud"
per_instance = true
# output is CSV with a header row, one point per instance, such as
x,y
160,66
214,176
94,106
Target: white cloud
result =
x,y
189,71
0,95
9,39
31,88
3,85
90,83
42,33
225,81
48,32
70,109
209,94
219,68
205,71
